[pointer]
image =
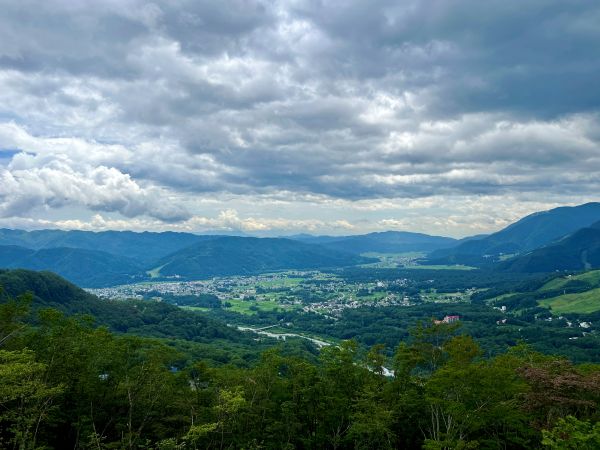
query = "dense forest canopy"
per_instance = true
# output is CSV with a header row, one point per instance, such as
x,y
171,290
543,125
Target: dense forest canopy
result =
x,y
67,384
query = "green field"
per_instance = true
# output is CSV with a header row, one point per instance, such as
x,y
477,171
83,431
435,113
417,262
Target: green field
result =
x,y
592,277
155,273
391,260
495,300
583,303
407,261
195,308
243,306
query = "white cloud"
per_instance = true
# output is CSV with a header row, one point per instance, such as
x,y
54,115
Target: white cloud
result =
x,y
300,115
32,182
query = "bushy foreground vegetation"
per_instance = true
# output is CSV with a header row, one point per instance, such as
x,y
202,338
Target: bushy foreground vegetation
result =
x,y
66,384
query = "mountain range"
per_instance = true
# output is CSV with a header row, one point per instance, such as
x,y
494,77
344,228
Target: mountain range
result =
x,y
246,255
382,242
89,268
575,252
97,259
529,233
565,238
144,247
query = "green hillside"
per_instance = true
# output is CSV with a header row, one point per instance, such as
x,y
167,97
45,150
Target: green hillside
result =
x,y
381,242
88,268
581,303
529,233
592,278
240,256
112,258
141,318
578,251
144,247
577,293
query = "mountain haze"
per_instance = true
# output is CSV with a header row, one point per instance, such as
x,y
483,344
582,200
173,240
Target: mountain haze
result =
x,y
381,242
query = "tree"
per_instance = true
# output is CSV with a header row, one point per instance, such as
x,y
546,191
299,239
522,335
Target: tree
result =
x,y
473,404
12,315
25,398
571,433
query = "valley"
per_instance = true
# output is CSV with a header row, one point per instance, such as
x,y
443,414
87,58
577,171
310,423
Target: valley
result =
x,y
299,225
222,331
327,305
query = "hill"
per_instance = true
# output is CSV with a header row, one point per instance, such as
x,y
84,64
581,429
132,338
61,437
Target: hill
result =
x,y
382,242
144,318
578,251
143,247
125,256
577,294
531,232
89,268
240,256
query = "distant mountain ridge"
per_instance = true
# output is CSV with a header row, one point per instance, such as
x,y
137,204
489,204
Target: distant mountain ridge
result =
x,y
98,259
125,257
232,255
528,233
575,252
89,268
381,242
144,247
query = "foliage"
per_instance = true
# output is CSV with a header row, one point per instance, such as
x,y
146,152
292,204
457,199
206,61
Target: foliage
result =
x,y
66,383
571,433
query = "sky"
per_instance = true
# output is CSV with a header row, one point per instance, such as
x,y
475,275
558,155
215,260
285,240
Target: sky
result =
x,y
449,117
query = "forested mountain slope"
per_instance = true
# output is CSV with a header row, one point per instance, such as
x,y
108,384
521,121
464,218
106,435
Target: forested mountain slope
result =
x,y
143,247
231,255
143,318
529,233
578,251
89,268
382,242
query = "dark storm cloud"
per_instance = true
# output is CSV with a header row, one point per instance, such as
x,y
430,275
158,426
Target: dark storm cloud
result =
x,y
346,99
538,56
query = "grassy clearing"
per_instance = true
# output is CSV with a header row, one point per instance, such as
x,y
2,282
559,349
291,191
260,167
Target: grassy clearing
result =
x,y
407,261
592,277
244,306
248,307
392,260
582,303
496,300
155,273
195,308
508,256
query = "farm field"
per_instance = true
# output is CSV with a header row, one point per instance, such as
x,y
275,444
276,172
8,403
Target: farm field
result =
x,y
592,278
581,303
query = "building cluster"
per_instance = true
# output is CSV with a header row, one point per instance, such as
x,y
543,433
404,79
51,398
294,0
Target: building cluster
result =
x,y
447,319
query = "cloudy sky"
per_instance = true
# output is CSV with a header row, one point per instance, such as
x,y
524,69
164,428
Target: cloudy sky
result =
x,y
452,117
